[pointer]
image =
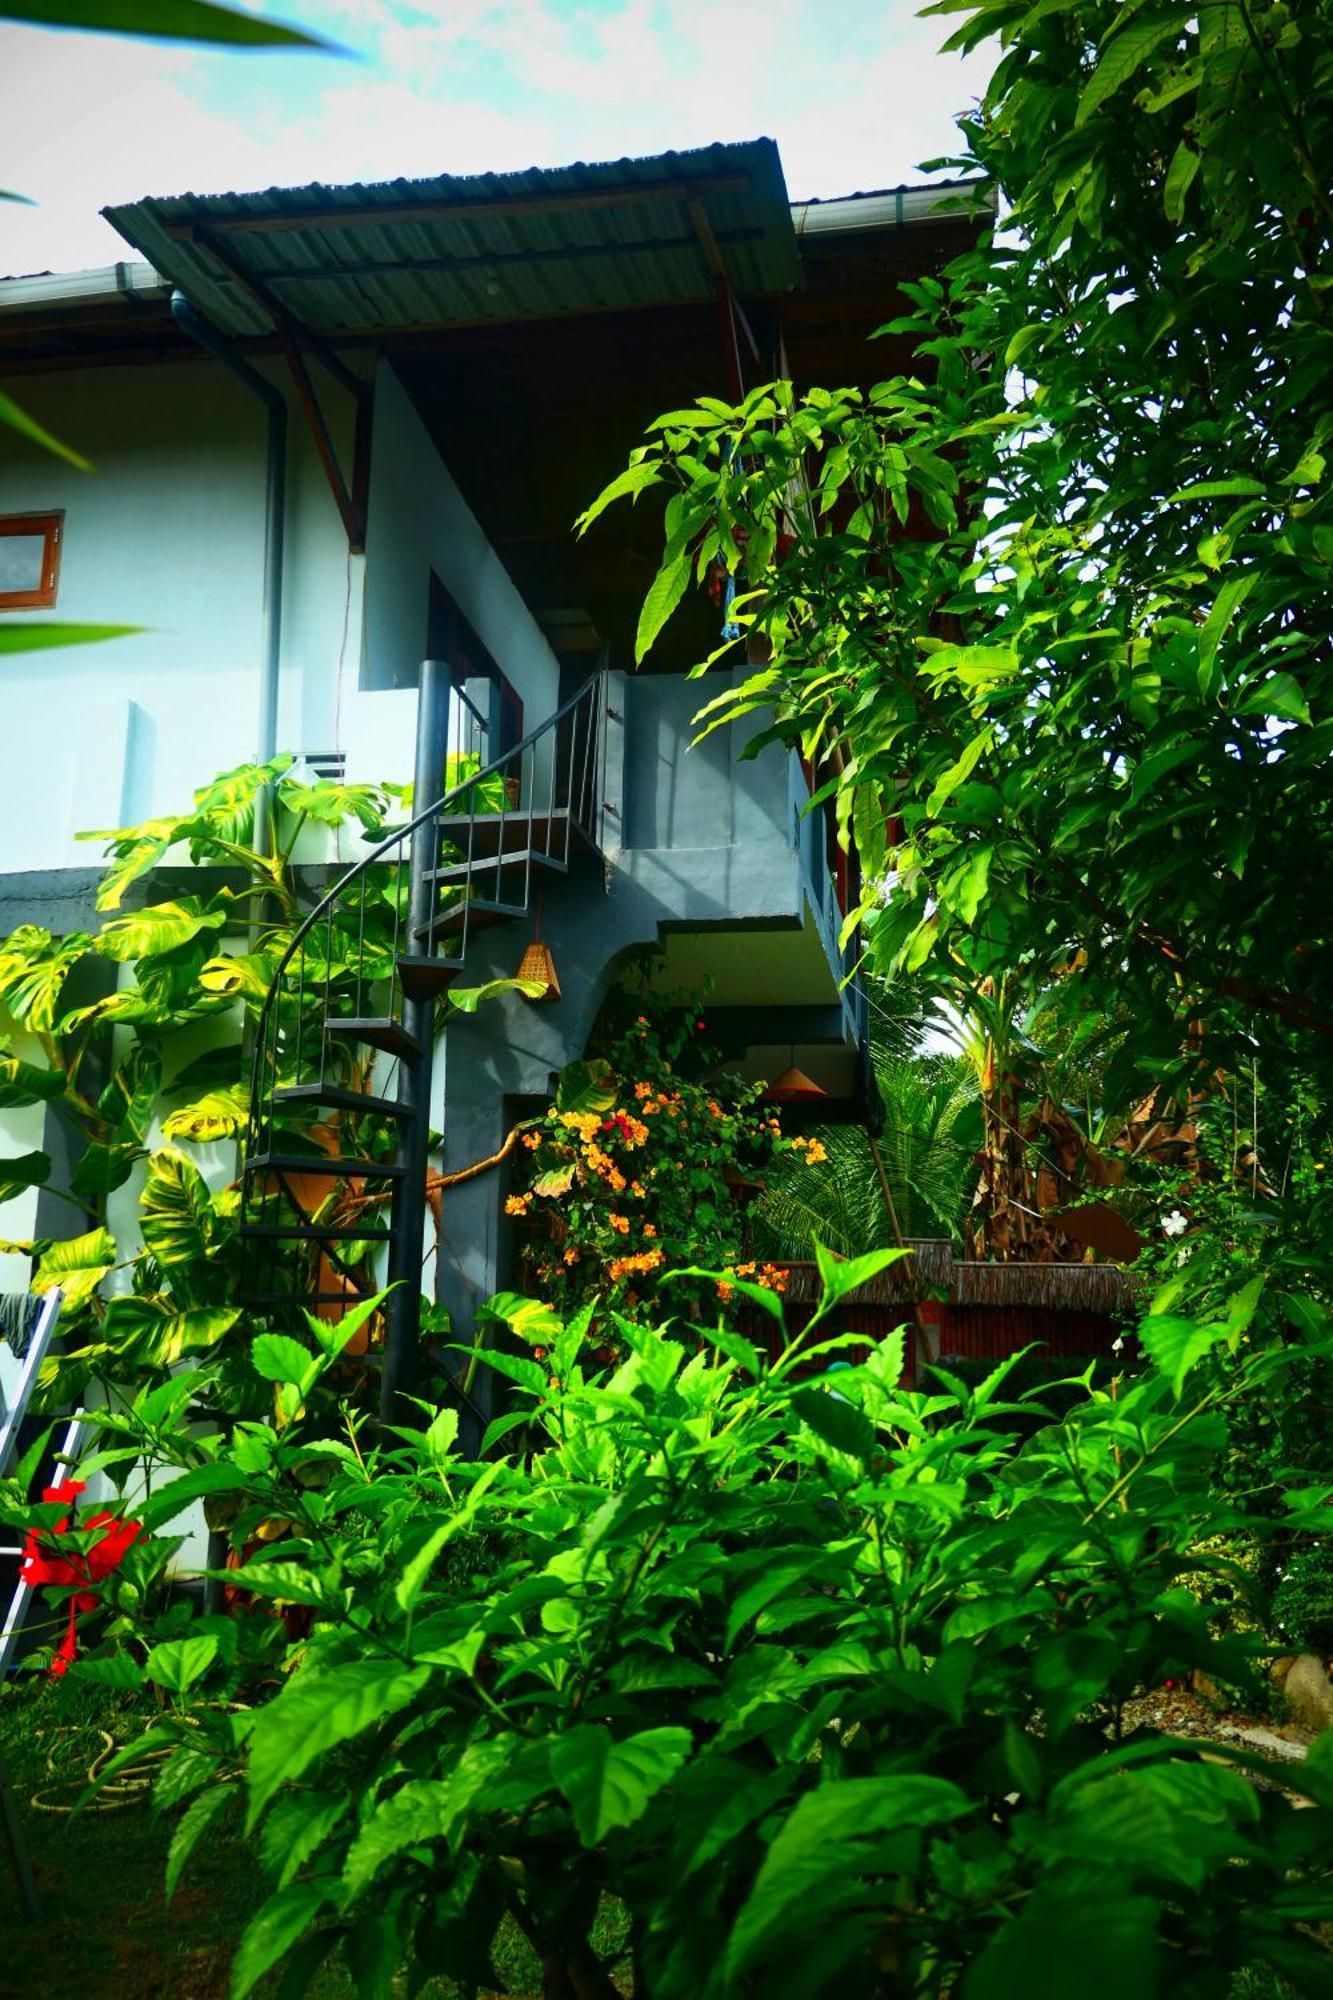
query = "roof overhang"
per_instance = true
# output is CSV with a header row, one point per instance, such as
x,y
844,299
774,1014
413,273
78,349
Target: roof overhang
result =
x,y
401,256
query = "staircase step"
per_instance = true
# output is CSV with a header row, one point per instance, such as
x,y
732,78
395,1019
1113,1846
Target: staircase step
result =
x,y
481,913
489,865
337,1099
320,1232
319,1163
426,978
377,1031
493,833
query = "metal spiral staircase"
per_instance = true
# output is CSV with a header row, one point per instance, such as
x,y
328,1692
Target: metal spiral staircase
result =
x,y
340,1093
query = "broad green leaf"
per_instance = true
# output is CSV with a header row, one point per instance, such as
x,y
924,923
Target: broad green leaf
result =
x,y
218,1114
77,1264
421,1811
317,1710
586,1086
176,1211
44,634
531,1319
1219,489
840,1275
175,1495
279,1358
158,927
23,1171
273,1932
1279,696
1124,52
27,1083
1067,1945
1185,163
164,20
629,483
33,969
823,1843
104,1168
668,587
1178,1345
467,999
837,1421
1229,598
190,1829
611,1784
178,1663
155,1333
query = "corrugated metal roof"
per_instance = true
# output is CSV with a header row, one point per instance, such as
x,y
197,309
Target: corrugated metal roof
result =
x,y
536,244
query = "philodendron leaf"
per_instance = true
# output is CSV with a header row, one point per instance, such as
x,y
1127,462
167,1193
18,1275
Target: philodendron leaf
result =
x,y
609,1783
467,999
77,1264
159,927
218,1114
23,1171
23,1083
586,1086
175,1210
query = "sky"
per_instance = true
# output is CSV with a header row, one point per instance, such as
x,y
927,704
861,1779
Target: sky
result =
x,y
853,91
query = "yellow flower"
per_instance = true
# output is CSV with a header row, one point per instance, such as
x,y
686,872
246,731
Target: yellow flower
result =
x,y
649,1230
642,1090
724,1290
637,1189
571,1255
517,1204
616,1181
532,1140
815,1152
620,1223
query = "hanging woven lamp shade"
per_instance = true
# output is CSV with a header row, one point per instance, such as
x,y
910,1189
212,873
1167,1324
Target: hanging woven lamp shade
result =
x,y
537,963
793,1087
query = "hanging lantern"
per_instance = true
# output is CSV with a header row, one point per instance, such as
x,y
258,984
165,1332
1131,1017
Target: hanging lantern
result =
x,y
793,1087
537,963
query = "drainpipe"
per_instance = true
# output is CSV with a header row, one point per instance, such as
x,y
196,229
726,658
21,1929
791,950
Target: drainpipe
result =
x,y
207,336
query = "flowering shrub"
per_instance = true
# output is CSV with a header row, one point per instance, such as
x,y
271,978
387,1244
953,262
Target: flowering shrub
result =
x,y
642,1164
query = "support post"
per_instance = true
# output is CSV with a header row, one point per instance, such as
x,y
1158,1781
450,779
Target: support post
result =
x,y
407,1215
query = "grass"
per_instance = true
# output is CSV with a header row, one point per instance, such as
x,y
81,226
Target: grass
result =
x,y
106,1932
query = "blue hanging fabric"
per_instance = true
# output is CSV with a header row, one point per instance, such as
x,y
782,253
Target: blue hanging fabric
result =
x,y
730,629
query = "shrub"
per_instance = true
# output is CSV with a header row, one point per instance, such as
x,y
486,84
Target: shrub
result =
x,y
826,1688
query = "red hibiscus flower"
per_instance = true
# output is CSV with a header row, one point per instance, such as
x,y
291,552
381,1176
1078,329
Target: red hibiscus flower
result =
x,y
67,1572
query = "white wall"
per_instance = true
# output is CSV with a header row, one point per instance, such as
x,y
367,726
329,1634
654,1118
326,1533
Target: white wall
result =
x,y
168,534
419,522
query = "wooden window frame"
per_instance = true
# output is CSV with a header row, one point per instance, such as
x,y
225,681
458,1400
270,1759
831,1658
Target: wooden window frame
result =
x,y
50,525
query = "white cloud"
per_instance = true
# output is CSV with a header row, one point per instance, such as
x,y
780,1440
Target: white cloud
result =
x,y
466,87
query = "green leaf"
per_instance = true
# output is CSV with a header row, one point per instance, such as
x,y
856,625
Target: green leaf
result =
x,y
1067,1945
164,20
611,1784
159,927
823,1843
176,1211
837,1421
467,999
273,1932
166,1501
1178,1345
178,1663
218,1114
24,1083
1123,54
44,634
631,482
23,1171
15,418
279,1358
317,1710
153,1332
841,1275
78,1265
1279,696
531,1319
975,667
421,1811
586,1086
668,587
1185,163
1218,489
192,1825
1232,594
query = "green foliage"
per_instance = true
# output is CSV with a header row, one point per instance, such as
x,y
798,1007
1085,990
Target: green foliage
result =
x,y
827,1690
1092,702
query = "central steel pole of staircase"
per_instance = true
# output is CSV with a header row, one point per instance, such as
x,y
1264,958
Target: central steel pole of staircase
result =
x,y
407,1215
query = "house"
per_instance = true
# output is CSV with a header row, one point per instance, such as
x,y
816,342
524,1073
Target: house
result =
x,y
340,430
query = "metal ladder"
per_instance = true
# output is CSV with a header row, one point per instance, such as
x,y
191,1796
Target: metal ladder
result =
x,y
38,1347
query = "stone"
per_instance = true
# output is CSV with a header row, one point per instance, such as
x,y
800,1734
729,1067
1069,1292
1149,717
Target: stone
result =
x,y
1309,1694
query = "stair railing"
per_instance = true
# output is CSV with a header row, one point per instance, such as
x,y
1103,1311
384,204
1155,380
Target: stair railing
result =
x,y
376,952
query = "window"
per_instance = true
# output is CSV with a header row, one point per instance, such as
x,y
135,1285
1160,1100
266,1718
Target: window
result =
x,y
29,560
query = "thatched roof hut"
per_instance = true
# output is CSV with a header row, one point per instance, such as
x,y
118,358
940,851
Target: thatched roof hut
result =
x,y
932,1271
